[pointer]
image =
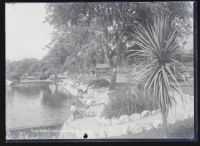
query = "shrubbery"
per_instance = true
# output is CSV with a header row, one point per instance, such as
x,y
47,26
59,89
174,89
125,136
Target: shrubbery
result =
x,y
14,77
42,76
182,129
122,101
99,83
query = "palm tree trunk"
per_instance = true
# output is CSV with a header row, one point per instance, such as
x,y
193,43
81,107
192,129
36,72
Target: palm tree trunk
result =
x,y
164,119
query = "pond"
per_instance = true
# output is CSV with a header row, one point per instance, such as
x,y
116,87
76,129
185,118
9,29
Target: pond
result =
x,y
36,105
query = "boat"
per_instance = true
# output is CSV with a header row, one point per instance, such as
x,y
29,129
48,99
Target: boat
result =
x,y
8,82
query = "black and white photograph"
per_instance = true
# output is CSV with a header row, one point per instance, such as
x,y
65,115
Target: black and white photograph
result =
x,y
100,70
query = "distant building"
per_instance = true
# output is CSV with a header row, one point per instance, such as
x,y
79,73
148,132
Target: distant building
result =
x,y
31,77
28,77
102,70
52,77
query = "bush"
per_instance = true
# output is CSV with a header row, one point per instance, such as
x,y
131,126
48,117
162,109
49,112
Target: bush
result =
x,y
123,102
99,83
182,129
47,74
14,77
42,76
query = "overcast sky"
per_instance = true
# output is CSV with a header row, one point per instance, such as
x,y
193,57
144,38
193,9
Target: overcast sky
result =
x,y
26,34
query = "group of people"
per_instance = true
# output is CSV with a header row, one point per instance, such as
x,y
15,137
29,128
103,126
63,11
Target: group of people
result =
x,y
77,112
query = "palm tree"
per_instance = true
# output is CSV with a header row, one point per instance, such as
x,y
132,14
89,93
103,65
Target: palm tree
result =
x,y
158,65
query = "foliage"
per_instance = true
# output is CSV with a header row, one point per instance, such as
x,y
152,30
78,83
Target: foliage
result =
x,y
14,76
159,49
182,129
105,22
122,101
14,70
157,43
42,76
90,33
95,32
99,83
180,13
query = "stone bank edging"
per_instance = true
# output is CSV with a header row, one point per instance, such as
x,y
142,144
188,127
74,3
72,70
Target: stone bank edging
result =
x,y
120,126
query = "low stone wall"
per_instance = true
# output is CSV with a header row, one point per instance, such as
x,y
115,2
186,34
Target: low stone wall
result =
x,y
99,127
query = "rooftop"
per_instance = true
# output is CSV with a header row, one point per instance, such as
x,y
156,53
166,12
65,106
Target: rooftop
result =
x,y
102,66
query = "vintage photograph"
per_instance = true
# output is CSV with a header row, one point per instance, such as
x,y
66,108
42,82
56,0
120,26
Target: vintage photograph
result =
x,y
100,70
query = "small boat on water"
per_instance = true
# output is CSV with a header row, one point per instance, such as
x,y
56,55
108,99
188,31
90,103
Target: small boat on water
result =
x,y
8,82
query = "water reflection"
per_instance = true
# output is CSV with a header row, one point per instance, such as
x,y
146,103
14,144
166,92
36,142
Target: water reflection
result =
x,y
9,94
36,104
54,97
28,90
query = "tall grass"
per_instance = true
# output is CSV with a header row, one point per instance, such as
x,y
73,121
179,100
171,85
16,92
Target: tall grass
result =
x,y
157,46
124,102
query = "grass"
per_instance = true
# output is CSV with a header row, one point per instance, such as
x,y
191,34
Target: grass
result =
x,y
179,130
125,102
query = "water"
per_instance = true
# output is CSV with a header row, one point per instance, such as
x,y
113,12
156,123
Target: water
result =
x,y
36,105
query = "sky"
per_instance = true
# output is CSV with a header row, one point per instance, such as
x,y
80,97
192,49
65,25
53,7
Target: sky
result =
x,y
26,33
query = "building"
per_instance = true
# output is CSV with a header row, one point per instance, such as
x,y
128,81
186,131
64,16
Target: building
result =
x,y
31,77
28,77
102,70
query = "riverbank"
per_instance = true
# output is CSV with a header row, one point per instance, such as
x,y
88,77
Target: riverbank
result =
x,y
33,107
94,99
99,127
9,83
109,129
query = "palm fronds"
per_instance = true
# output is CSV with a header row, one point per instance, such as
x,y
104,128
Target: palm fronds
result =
x,y
157,45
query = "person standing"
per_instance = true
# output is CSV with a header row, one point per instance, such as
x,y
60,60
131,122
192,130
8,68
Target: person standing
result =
x,y
73,110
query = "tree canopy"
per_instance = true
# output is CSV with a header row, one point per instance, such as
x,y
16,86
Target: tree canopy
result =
x,y
89,33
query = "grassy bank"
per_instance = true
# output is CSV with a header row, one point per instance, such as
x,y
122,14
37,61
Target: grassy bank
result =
x,y
179,130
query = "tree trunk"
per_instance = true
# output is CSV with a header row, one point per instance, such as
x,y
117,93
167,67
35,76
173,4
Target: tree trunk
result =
x,y
113,78
56,87
56,79
164,119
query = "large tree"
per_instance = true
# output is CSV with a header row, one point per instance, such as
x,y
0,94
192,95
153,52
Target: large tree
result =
x,y
109,20
74,44
16,69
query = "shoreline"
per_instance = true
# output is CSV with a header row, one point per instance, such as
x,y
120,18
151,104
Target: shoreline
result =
x,y
10,83
106,129
99,127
